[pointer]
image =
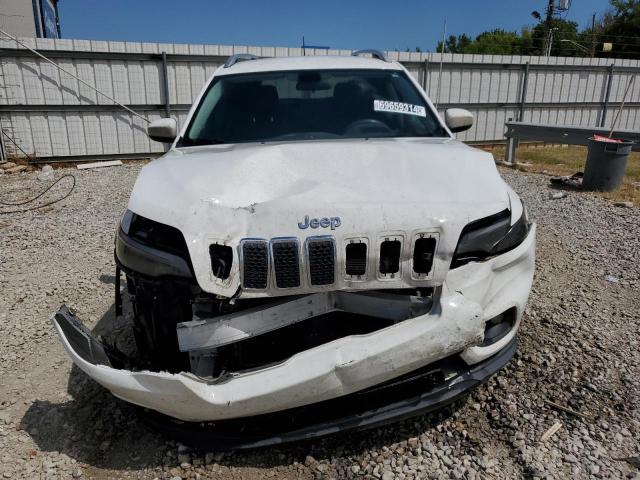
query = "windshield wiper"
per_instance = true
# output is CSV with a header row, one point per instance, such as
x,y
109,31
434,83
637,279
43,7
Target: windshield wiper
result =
x,y
191,142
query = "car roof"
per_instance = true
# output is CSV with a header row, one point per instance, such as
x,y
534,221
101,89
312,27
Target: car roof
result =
x,y
307,63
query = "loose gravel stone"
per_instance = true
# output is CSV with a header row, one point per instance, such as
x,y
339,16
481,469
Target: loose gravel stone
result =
x,y
578,347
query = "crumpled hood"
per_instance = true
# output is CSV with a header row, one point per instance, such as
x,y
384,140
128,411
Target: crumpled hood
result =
x,y
224,193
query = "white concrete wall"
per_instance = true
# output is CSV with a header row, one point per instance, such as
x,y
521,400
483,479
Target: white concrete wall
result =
x,y
37,100
17,18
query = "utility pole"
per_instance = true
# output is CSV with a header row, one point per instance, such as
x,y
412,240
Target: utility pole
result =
x,y
593,35
551,34
444,38
548,30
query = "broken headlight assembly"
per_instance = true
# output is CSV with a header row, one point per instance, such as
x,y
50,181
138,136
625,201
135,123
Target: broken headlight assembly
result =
x,y
151,248
153,234
490,236
126,220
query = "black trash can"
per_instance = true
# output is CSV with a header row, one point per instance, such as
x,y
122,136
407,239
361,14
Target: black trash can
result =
x,y
606,162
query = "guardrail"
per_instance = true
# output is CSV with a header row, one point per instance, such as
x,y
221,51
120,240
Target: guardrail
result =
x,y
562,134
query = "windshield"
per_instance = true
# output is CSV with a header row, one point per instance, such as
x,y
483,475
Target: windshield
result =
x,y
310,105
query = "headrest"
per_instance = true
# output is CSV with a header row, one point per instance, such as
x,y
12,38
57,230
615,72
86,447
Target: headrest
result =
x,y
268,96
346,91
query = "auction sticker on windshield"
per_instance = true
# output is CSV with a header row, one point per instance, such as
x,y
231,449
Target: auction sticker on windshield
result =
x,y
399,107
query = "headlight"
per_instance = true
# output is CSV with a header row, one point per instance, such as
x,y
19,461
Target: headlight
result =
x,y
125,221
153,234
490,236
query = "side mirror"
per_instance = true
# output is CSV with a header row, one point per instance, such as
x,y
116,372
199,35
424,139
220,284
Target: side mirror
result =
x,y
458,119
163,130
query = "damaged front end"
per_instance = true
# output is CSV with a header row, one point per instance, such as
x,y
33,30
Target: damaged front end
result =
x,y
420,391
297,366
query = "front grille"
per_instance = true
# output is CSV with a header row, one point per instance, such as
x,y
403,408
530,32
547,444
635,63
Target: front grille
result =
x,y
423,254
286,263
281,263
255,260
322,261
356,259
390,256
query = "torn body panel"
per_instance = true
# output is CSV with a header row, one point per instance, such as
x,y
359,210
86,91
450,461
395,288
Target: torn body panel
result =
x,y
454,325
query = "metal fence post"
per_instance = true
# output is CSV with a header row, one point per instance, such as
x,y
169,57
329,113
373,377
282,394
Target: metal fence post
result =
x,y
523,92
165,85
425,73
607,92
510,150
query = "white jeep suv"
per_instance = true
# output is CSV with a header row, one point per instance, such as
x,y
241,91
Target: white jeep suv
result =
x,y
315,252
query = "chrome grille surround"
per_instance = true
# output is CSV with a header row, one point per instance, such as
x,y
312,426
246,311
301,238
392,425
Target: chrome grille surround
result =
x,y
281,265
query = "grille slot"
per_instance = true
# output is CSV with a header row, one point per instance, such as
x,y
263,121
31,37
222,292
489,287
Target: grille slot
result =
x,y
322,261
390,256
255,264
423,253
286,263
356,259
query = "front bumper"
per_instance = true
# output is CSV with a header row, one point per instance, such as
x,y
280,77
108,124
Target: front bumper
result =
x,y
394,401
470,296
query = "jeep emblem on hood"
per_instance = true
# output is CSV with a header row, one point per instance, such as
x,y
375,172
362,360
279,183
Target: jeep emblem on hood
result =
x,y
333,222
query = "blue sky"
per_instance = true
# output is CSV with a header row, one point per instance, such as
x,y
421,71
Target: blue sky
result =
x,y
345,24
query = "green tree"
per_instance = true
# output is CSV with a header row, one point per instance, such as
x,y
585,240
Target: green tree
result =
x,y
562,30
496,42
621,28
526,43
454,44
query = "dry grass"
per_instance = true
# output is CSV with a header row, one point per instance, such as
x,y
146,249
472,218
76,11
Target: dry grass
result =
x,y
567,160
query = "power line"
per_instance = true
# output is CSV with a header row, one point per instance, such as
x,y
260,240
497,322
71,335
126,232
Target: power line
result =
x,y
602,36
615,36
615,43
520,43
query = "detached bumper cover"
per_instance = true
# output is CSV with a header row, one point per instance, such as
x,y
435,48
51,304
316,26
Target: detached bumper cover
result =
x,y
418,392
396,400
470,296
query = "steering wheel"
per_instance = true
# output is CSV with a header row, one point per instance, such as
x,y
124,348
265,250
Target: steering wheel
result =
x,y
366,125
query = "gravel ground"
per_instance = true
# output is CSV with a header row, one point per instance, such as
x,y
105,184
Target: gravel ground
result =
x,y
578,348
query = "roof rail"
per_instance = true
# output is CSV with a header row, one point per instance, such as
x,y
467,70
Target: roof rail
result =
x,y
239,57
374,53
